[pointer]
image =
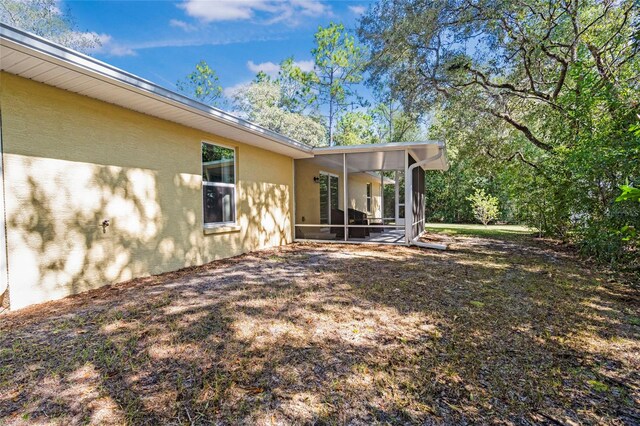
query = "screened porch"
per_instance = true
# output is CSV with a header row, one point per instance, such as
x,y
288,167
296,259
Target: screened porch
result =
x,y
361,193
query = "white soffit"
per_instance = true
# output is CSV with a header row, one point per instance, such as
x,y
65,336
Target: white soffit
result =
x,y
35,58
389,156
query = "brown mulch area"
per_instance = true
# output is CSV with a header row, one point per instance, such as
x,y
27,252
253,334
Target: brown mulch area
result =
x,y
491,331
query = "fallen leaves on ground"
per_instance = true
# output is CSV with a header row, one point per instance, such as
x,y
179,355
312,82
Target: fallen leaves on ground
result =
x,y
508,331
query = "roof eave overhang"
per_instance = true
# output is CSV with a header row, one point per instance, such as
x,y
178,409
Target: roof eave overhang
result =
x,y
441,163
60,56
378,147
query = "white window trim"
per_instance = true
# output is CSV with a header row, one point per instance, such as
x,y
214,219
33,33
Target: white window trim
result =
x,y
234,185
369,197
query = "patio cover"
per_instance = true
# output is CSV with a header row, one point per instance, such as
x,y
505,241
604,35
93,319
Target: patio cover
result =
x,y
413,158
430,155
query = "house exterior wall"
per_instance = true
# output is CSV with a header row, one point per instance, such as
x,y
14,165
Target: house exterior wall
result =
x,y
358,194
307,193
71,161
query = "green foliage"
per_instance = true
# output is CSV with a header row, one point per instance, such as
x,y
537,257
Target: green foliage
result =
x,y
394,121
295,86
629,193
212,152
629,233
484,206
355,128
331,87
262,103
46,19
284,104
394,124
339,66
202,84
535,100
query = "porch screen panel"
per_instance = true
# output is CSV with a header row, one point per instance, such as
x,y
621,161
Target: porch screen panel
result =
x,y
317,202
417,201
324,198
334,188
329,196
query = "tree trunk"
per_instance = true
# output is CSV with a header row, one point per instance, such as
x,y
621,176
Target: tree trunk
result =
x,y
330,123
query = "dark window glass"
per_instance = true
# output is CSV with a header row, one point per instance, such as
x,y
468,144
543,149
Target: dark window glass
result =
x,y
217,164
218,184
324,199
218,204
333,183
329,196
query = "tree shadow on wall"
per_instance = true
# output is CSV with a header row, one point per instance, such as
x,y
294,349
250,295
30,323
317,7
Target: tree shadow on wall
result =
x,y
60,248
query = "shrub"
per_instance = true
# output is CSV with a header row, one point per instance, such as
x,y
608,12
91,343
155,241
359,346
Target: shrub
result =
x,y
485,206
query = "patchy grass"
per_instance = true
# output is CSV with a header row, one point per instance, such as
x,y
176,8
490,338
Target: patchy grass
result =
x,y
491,331
479,230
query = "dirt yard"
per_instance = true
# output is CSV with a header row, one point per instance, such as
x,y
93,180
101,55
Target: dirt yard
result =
x,y
507,331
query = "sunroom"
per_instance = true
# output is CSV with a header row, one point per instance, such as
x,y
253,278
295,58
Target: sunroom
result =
x,y
382,205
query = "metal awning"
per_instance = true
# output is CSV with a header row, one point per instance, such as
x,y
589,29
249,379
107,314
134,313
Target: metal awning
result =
x,y
388,156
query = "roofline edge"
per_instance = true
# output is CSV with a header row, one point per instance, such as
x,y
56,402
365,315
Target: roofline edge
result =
x,y
77,59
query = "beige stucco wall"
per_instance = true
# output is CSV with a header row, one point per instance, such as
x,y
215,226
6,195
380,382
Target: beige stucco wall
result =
x,y
358,194
308,192
71,161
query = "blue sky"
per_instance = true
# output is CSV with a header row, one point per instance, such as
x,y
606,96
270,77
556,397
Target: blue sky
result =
x,y
163,40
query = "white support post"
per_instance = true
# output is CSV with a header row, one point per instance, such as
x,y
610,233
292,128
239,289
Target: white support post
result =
x,y
382,196
293,202
4,274
345,194
396,191
408,184
408,200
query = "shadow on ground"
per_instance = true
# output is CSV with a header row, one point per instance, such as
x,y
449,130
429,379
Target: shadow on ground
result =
x,y
490,331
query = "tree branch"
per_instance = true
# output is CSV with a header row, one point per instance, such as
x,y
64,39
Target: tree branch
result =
x,y
519,156
523,129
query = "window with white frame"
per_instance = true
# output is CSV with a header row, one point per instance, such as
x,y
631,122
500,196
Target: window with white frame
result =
x,y
369,192
218,184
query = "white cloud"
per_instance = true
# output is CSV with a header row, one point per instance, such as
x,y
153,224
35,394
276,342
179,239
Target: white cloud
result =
x,y
176,23
357,9
271,68
305,66
230,91
110,47
121,51
267,11
225,10
268,68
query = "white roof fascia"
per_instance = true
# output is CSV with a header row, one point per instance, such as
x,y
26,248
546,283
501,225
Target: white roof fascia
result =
x,y
392,146
46,50
441,163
